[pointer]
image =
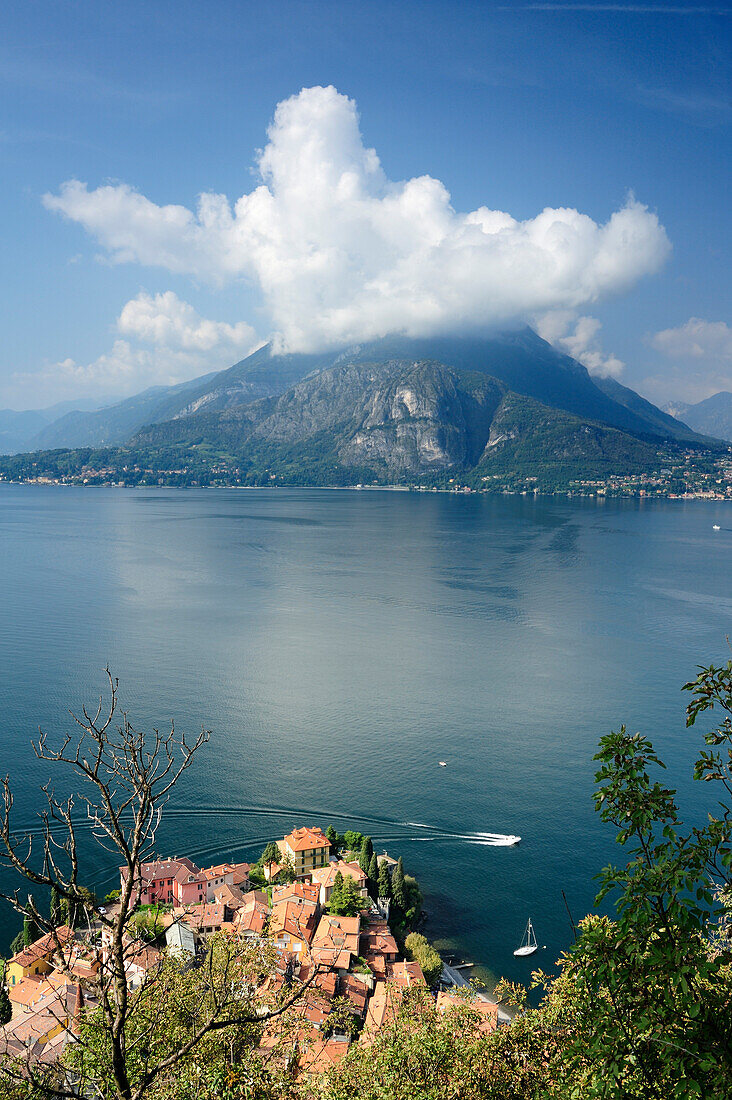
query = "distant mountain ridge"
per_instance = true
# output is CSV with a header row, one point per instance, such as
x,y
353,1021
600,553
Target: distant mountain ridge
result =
x,y
19,429
391,409
394,420
712,416
521,359
114,424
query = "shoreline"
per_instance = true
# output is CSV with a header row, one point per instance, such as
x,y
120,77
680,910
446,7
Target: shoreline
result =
x,y
570,494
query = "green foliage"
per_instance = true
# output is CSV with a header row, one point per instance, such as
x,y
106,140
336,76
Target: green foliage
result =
x,y
286,872
166,1015
6,1009
54,911
271,854
426,1055
373,873
648,993
398,889
332,836
384,880
31,931
111,897
256,876
364,858
18,942
345,899
352,841
147,924
421,951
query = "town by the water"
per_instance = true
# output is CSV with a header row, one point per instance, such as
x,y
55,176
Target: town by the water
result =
x,y
338,917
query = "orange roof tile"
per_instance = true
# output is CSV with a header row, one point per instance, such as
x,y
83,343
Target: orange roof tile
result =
x,y
305,839
43,948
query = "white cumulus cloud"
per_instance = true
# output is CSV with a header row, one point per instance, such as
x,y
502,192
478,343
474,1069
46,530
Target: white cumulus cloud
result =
x,y
340,253
162,341
701,360
697,339
579,337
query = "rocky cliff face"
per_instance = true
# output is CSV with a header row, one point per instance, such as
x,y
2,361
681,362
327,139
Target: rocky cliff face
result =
x,y
398,419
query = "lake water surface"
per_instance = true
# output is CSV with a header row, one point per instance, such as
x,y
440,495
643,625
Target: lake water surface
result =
x,y
339,644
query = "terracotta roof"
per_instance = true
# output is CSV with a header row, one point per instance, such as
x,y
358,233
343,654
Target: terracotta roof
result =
x,y
230,896
162,869
241,873
382,1007
296,917
326,875
322,1054
252,918
44,948
144,958
336,940
376,942
35,987
205,915
305,839
219,871
308,891
405,973
259,897
356,990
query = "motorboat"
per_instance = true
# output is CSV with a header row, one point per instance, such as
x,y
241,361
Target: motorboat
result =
x,y
442,763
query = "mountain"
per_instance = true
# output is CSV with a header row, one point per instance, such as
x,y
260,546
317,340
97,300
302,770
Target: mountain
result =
x,y
531,366
18,429
115,423
713,416
665,423
394,420
259,375
522,360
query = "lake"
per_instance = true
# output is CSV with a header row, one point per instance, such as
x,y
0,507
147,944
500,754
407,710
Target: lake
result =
x,y
339,644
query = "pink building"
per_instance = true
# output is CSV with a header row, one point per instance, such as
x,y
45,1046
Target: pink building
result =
x,y
180,882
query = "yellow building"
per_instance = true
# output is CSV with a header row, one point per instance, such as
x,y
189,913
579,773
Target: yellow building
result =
x,y
37,958
307,849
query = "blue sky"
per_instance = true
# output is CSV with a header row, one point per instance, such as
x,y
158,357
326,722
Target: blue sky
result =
x,y
512,107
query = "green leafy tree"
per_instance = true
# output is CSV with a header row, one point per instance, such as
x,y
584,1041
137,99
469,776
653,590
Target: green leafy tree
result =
x,y
444,1056
421,951
332,836
6,1009
18,942
384,880
31,931
413,901
286,872
352,840
649,996
55,907
345,899
271,854
398,891
374,876
367,850
147,925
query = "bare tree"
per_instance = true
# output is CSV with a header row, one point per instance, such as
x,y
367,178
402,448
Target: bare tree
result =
x,y
125,778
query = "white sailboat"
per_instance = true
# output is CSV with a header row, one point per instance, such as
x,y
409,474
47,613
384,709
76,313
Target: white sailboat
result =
x,y
528,942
